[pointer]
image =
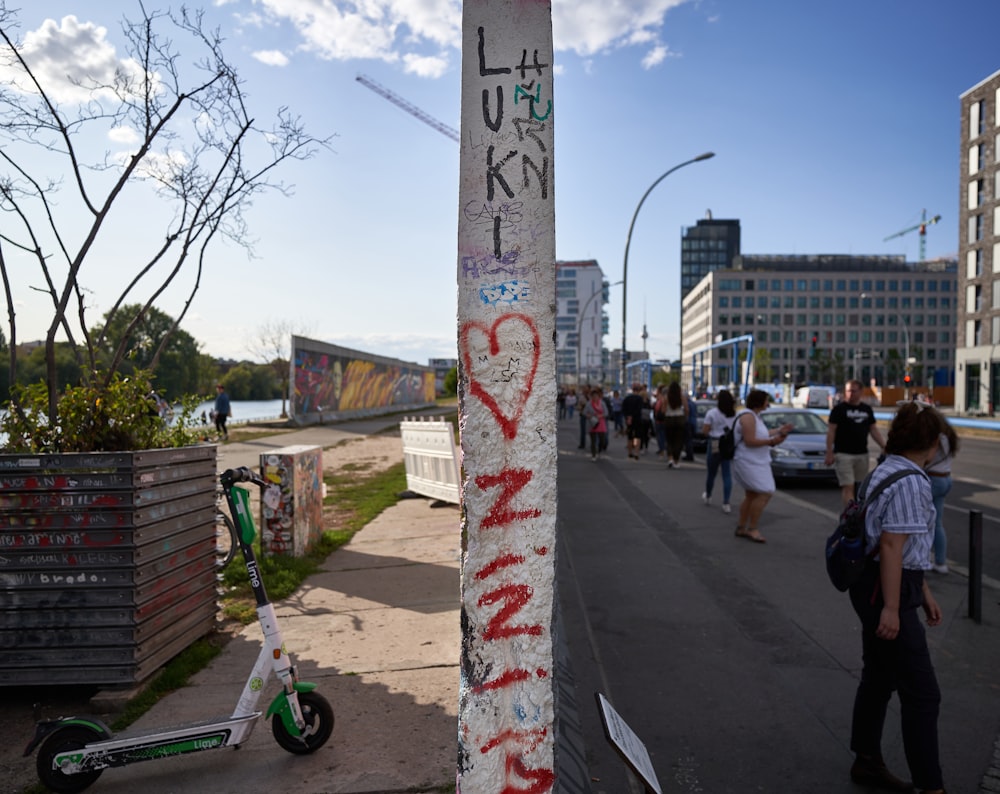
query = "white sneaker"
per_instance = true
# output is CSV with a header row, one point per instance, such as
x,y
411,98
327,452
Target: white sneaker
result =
x,y
940,568
706,498
727,509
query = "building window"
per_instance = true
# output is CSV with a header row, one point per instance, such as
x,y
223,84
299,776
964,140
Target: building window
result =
x,y
974,194
973,263
995,330
975,230
972,298
975,158
841,284
976,120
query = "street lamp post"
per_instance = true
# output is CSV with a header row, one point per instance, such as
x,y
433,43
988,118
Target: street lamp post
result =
x,y
628,241
906,350
579,326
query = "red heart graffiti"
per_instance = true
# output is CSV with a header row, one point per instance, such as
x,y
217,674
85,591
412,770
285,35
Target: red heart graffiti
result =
x,y
506,371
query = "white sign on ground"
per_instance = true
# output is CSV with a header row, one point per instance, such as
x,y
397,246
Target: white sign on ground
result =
x,y
627,744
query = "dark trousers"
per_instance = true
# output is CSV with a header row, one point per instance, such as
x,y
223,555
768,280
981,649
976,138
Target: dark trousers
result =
x,y
904,665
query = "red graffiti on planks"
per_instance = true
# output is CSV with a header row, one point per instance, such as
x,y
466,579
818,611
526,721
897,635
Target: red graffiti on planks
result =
x,y
490,379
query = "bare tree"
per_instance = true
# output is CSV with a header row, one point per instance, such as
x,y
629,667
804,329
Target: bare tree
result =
x,y
273,345
197,160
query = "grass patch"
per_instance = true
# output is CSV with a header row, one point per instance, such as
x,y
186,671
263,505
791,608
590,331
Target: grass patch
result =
x,y
352,501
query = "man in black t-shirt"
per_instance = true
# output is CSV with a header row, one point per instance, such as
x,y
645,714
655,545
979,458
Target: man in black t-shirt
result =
x,y
632,407
851,422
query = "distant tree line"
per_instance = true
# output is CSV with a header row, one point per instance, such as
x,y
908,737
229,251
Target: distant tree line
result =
x,y
181,370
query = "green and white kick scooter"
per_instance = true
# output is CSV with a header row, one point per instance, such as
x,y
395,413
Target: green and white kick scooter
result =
x,y
75,750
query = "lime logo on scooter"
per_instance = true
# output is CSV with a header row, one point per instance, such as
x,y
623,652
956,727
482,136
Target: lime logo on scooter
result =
x,y
256,684
253,574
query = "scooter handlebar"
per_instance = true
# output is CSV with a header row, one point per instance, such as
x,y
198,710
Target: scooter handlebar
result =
x,y
241,474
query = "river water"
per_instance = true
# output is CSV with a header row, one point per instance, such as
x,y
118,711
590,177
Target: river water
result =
x,y
246,410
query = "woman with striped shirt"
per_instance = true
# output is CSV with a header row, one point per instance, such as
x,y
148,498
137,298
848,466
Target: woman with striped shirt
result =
x,y
899,530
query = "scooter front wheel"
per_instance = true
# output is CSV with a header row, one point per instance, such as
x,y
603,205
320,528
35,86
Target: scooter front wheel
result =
x,y
72,737
318,714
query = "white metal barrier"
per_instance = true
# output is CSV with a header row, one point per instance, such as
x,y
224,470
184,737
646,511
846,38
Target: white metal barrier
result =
x,y
431,462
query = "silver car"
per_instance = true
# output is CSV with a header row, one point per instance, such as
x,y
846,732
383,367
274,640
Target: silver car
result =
x,y
800,456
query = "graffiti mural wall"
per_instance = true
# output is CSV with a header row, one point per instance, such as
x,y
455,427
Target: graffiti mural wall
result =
x,y
332,382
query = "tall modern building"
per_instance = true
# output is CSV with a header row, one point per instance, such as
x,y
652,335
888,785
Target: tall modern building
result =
x,y
581,324
977,383
709,245
823,318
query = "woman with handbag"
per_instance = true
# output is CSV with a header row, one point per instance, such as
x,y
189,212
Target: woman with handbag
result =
x,y
899,528
717,420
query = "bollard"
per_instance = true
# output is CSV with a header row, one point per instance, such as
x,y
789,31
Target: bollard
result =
x,y
976,565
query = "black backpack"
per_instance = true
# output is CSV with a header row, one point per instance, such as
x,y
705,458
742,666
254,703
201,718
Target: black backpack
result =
x,y
727,441
845,548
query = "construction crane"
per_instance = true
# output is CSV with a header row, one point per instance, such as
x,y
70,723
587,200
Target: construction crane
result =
x,y
410,108
922,226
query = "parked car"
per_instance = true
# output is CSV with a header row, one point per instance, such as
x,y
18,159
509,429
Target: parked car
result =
x,y
800,456
700,439
814,397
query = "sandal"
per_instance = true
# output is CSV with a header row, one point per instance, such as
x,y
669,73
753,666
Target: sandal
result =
x,y
750,534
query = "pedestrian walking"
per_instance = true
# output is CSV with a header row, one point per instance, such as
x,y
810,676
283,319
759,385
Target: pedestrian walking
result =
x,y
899,534
616,412
939,470
717,419
752,463
581,403
221,410
674,419
850,423
571,401
595,413
632,413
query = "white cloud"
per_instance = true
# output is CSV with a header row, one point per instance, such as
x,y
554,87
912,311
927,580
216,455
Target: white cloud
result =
x,y
126,136
589,27
395,30
65,55
655,56
271,57
425,65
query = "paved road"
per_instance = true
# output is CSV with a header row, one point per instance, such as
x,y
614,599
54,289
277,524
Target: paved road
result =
x,y
736,663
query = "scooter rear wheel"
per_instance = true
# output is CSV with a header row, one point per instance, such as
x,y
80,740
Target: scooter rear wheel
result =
x,y
72,737
318,714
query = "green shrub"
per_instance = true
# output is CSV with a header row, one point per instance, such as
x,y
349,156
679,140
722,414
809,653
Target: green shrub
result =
x,y
95,418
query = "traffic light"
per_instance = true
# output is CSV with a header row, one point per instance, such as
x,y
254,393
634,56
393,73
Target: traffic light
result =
x,y
815,340
906,379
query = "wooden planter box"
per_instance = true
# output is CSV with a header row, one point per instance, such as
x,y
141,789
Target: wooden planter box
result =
x,y
107,563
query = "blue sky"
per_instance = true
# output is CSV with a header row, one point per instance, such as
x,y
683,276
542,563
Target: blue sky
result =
x,y
834,125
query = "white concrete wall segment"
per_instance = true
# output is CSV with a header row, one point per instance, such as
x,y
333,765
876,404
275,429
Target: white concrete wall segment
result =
x,y
430,460
507,397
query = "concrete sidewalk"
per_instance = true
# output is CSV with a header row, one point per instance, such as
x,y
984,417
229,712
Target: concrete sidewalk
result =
x,y
377,628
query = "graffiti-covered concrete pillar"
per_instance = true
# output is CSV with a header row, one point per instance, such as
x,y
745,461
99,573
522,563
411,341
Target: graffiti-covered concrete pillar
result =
x,y
506,316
